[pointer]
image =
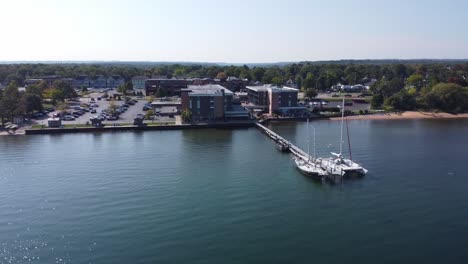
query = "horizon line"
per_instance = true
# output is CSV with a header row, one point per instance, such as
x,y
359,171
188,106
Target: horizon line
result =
x,y
218,62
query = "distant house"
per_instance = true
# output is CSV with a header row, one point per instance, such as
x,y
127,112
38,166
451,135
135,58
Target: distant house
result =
x,y
29,82
170,86
115,81
138,82
98,82
81,81
232,83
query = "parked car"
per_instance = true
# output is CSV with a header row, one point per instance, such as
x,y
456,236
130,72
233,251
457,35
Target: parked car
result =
x,y
68,118
348,95
99,98
146,108
77,108
112,117
93,111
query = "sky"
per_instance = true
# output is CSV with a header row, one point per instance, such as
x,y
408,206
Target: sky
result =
x,y
240,31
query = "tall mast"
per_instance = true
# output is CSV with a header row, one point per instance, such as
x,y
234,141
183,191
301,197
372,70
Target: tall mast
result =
x,y
342,118
308,140
315,154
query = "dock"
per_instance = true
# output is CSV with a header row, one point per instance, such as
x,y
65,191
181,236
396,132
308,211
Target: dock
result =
x,y
295,150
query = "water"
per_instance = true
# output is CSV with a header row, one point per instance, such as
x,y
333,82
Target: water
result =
x,y
228,196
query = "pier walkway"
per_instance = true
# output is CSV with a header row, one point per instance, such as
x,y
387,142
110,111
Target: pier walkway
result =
x,y
295,150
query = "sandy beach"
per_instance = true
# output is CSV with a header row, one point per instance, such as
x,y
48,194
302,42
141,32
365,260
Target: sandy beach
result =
x,y
405,115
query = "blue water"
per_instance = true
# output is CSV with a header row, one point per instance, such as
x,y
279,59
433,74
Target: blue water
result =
x,y
228,196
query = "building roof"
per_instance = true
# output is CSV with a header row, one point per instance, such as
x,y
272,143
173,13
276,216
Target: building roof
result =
x,y
207,90
139,78
272,88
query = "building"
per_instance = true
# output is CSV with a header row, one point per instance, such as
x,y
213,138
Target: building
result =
x,y
211,102
138,82
233,84
168,86
98,82
49,80
81,81
115,81
279,100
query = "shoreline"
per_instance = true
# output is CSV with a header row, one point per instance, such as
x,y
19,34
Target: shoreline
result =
x,y
405,115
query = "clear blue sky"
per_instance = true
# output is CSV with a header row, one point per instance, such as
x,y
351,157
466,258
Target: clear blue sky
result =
x,y
232,31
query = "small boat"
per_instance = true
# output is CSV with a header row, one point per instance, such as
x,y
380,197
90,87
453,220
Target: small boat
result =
x,y
282,147
308,166
339,166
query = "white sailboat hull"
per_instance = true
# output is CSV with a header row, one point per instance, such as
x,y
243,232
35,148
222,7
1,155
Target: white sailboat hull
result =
x,y
309,168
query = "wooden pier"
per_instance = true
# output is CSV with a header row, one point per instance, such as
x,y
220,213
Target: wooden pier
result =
x,y
295,150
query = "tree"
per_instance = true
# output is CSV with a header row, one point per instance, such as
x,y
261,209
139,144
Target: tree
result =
x,y
377,100
149,114
186,115
447,97
258,73
299,81
9,104
112,107
62,106
415,80
31,102
309,81
401,101
311,93
221,76
277,81
65,89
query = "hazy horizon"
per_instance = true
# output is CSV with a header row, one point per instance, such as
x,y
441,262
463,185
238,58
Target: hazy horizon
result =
x,y
212,32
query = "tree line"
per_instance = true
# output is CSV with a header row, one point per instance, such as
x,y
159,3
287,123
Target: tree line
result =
x,y
400,86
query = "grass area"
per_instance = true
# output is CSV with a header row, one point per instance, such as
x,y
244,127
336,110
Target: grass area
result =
x,y
47,105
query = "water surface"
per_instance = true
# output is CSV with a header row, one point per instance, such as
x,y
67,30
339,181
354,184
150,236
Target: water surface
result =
x,y
228,196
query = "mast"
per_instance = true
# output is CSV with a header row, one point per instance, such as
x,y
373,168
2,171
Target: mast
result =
x,y
341,137
315,154
349,141
308,141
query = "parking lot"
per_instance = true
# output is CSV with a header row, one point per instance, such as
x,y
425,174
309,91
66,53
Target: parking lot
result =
x,y
124,118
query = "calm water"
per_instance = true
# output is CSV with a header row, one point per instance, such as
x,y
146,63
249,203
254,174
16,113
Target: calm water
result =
x,y
222,196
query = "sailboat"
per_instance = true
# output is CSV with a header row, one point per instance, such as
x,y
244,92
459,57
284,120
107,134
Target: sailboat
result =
x,y
337,165
306,165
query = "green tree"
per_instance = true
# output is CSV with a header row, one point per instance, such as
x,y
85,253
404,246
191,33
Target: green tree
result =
x,y
186,115
309,81
311,93
415,80
447,97
377,100
277,81
112,107
149,114
401,101
9,104
258,73
298,81
31,102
